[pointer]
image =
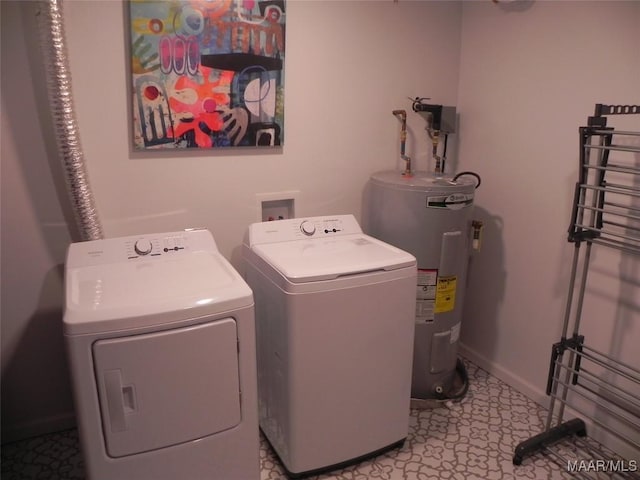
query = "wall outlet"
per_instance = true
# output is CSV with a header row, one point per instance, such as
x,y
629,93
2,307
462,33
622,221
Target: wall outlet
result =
x,y
276,206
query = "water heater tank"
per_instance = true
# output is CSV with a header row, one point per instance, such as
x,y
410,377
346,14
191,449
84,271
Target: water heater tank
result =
x,y
430,218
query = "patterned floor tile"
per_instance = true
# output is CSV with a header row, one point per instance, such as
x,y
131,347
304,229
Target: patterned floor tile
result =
x,y
473,439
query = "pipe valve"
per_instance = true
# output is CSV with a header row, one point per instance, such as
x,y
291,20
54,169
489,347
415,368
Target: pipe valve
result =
x,y
441,122
476,226
403,139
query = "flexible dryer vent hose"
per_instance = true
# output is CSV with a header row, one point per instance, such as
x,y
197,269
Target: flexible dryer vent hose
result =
x,y
58,75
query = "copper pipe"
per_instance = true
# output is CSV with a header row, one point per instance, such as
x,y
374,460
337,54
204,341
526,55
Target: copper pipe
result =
x,y
403,138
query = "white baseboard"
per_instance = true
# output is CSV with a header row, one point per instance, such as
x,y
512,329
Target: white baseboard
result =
x,y
508,377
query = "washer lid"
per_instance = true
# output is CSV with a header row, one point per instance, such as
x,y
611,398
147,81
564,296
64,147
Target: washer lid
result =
x,y
106,292
311,260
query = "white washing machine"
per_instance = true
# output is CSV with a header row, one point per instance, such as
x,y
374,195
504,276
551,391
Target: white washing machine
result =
x,y
335,323
160,336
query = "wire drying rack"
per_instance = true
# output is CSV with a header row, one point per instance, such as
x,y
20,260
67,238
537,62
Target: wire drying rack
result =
x,y
596,385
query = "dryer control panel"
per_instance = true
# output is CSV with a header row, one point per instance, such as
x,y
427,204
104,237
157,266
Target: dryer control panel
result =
x,y
122,249
156,245
300,228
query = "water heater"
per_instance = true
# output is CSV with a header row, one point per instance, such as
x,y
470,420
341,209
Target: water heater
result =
x,y
430,217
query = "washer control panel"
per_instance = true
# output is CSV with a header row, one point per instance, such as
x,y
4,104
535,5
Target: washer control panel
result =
x,y
324,226
301,228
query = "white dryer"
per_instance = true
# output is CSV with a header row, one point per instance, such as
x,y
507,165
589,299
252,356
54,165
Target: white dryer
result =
x,y
335,323
160,337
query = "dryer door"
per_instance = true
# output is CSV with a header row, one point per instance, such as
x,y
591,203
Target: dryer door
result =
x,y
164,388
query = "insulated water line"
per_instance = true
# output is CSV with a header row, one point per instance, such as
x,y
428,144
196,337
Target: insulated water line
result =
x,y
58,76
403,140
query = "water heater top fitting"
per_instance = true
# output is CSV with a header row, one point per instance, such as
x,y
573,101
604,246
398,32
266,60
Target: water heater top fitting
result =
x,y
441,121
439,118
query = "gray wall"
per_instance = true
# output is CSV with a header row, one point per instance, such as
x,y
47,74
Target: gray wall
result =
x,y
35,387
348,65
524,76
531,73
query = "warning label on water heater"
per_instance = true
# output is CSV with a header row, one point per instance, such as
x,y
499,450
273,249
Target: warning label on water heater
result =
x,y
426,295
446,294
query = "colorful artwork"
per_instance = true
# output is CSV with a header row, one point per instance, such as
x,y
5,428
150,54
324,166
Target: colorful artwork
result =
x,y
207,73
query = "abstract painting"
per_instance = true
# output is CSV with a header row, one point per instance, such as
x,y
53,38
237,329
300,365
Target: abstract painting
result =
x,y
207,73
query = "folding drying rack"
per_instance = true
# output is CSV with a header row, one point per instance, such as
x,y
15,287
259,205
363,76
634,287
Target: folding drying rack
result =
x,y
606,213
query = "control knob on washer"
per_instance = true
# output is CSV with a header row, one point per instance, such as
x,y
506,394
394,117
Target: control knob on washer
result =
x,y
307,228
142,246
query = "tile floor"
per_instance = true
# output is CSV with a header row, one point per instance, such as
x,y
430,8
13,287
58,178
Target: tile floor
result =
x,y
471,439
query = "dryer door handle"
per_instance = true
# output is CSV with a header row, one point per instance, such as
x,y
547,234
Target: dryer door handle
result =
x,y
115,400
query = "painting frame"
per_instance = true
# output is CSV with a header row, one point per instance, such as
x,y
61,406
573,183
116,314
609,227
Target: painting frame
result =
x,y
206,73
